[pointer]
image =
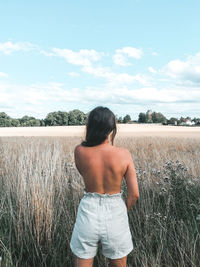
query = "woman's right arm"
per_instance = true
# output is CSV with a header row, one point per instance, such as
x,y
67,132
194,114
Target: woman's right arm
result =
x,y
131,182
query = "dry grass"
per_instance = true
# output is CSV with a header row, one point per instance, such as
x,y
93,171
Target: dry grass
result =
x,y
40,191
153,152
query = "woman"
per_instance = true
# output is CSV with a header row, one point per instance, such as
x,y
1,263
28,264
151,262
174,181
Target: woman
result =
x,y
102,213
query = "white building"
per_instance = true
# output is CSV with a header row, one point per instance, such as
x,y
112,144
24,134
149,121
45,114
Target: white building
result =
x,y
187,122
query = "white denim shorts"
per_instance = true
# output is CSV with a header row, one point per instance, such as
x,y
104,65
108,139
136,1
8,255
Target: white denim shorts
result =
x,y
101,218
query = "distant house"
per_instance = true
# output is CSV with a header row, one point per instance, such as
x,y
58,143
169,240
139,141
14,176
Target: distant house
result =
x,y
187,122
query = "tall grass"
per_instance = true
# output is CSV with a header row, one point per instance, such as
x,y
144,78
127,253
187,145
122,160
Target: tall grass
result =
x,y
40,190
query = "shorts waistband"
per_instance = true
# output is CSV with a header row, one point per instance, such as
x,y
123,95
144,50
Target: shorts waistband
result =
x,y
105,195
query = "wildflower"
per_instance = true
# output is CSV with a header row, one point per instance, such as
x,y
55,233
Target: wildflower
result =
x,y
198,217
164,190
166,178
158,214
190,182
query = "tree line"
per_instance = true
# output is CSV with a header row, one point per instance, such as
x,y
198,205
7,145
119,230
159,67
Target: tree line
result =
x,y
157,117
56,118
77,117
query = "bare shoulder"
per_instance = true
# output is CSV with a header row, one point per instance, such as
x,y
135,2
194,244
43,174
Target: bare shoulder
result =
x,y
124,152
78,149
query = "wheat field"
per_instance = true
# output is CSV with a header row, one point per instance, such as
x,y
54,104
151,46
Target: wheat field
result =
x,y
40,190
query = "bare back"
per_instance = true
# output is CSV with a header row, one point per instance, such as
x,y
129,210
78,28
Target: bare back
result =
x,y
103,168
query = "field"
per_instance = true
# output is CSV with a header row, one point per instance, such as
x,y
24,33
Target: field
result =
x,y
123,130
40,190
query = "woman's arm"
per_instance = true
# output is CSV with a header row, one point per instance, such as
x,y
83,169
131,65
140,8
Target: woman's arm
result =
x,y
131,181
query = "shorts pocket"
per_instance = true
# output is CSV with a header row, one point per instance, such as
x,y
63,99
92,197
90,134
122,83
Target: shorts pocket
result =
x,y
117,224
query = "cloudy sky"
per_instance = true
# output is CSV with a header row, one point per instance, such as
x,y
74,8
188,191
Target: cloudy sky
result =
x,y
128,55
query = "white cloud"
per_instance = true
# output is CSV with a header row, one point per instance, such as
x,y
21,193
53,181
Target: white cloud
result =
x,y
38,94
176,67
131,52
121,55
47,54
160,87
3,74
87,58
9,47
121,60
115,78
150,95
124,78
37,99
188,70
103,72
74,74
152,70
82,58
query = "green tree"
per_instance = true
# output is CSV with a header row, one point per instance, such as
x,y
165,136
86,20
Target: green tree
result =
x,y
5,120
196,120
34,122
142,117
181,119
77,117
50,119
3,115
127,118
158,117
172,120
56,118
25,121
15,123
42,122
26,118
120,120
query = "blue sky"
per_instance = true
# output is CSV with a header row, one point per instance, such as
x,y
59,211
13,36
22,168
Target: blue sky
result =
x,y
130,56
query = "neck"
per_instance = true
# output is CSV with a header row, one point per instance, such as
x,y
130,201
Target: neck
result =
x,y
105,142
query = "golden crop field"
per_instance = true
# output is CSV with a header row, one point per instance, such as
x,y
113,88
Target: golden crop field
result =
x,y
40,190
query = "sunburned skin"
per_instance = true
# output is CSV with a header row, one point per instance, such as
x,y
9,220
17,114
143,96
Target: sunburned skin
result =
x,y
103,168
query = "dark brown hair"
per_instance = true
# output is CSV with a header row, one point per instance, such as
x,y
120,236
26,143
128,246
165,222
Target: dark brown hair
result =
x,y
101,122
